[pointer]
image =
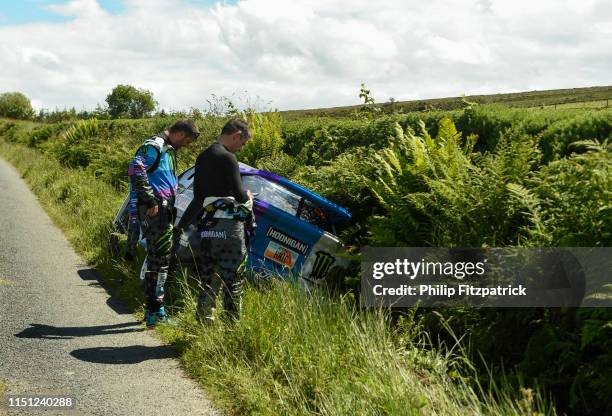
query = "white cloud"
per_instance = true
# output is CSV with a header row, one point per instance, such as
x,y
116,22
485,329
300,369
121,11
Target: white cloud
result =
x,y
39,57
307,53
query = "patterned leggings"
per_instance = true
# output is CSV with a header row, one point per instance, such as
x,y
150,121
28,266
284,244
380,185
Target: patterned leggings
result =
x,y
157,231
223,250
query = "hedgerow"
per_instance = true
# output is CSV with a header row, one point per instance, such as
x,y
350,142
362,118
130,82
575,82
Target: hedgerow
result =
x,y
481,176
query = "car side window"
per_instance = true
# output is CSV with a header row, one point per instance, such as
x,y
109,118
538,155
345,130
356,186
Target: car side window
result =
x,y
272,193
314,215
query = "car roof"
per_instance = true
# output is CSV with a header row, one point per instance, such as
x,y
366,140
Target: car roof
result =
x,y
334,212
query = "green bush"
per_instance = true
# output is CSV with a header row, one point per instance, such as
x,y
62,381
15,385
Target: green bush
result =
x,y
341,181
266,141
575,196
15,105
76,146
438,193
41,135
592,125
127,101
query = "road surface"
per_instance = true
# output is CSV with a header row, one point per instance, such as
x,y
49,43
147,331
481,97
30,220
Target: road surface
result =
x,y
62,334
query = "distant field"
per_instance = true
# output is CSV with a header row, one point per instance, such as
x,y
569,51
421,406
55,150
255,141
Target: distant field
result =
x,y
583,104
591,97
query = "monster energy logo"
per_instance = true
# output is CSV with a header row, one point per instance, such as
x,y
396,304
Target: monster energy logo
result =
x,y
321,265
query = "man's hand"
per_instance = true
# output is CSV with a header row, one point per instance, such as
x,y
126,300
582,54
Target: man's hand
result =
x,y
151,212
249,194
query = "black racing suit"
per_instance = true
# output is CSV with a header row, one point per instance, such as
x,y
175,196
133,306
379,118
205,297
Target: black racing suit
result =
x,y
217,174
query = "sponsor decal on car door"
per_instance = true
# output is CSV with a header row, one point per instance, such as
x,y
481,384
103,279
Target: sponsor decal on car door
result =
x,y
281,255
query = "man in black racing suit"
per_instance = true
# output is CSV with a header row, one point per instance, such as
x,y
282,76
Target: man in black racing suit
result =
x,y
221,205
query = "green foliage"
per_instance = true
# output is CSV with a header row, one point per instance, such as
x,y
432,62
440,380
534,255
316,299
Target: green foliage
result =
x,y
555,130
281,164
110,165
438,186
322,356
341,180
438,193
572,356
127,101
266,140
15,105
576,194
591,386
75,147
41,135
320,140
369,108
557,139
366,95
324,143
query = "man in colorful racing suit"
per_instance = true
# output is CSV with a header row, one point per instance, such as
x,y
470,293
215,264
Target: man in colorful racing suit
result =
x,y
222,206
153,187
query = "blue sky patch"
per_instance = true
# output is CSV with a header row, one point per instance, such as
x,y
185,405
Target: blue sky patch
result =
x,y
31,11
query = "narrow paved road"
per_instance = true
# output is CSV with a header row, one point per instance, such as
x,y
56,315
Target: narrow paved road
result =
x,y
62,334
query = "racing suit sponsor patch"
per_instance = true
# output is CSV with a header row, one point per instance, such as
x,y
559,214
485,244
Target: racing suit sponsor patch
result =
x,y
213,234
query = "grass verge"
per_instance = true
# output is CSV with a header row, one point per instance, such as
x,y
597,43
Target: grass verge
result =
x,y
292,352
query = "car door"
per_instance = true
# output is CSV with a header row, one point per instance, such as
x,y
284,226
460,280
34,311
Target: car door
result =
x,y
282,241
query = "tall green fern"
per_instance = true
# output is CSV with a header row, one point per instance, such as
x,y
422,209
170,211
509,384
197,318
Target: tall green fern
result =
x,y
75,146
576,194
266,141
438,192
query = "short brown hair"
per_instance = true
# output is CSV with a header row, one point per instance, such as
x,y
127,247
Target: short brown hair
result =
x,y
235,125
186,126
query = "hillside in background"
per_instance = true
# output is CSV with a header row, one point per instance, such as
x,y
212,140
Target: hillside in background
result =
x,y
596,97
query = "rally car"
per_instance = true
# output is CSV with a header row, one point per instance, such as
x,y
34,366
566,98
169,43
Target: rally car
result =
x,y
296,227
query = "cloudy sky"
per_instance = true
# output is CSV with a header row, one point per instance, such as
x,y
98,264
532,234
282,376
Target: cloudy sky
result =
x,y
299,53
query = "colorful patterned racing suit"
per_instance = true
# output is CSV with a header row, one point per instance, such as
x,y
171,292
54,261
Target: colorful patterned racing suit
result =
x,y
153,182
